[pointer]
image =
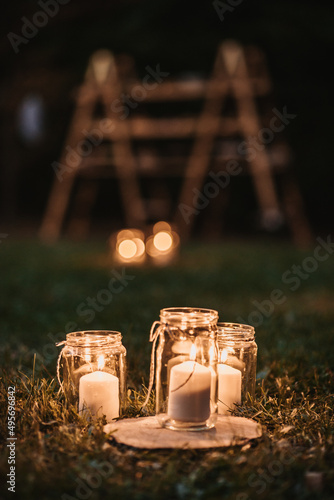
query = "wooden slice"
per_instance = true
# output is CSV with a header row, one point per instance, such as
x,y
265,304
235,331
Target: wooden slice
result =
x,y
146,433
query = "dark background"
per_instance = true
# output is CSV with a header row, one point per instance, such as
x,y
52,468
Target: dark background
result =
x,y
297,38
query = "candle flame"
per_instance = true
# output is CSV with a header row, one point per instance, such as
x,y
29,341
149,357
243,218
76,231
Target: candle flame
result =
x,y
223,355
192,354
100,362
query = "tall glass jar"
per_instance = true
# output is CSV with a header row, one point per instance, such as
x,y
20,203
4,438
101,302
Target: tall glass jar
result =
x,y
186,364
236,365
93,365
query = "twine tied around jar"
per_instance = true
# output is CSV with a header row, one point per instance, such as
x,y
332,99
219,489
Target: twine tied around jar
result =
x,y
154,335
157,329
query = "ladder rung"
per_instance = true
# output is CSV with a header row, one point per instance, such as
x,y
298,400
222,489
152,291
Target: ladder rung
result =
x,y
192,89
98,166
167,128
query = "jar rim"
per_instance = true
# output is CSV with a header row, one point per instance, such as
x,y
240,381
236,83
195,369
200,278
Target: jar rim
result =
x,y
227,330
189,315
93,338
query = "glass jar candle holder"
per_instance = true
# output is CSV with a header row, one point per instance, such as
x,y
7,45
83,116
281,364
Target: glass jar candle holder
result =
x,y
186,368
93,366
236,368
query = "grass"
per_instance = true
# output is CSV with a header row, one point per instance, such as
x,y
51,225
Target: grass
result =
x,y
60,455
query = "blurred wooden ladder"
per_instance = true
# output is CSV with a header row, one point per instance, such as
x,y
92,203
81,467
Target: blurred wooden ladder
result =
x,y
102,86
230,78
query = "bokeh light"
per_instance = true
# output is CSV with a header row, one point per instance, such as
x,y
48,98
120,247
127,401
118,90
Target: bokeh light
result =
x,y
127,249
163,241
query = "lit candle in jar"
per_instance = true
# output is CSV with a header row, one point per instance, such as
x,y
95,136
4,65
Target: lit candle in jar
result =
x,y
182,348
189,391
229,388
99,395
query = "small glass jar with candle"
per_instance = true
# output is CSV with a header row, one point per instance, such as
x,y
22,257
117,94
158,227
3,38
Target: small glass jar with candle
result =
x,y
93,366
236,365
186,368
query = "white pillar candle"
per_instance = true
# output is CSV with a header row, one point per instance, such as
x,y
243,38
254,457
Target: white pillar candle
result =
x,y
99,395
189,392
229,388
175,361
